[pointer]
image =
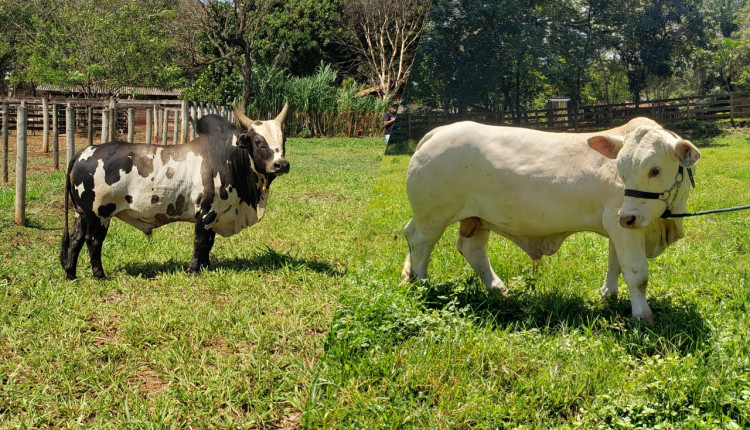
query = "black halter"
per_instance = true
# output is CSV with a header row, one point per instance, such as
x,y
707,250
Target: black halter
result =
x,y
669,196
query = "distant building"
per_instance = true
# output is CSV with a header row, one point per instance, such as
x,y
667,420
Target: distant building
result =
x,y
138,93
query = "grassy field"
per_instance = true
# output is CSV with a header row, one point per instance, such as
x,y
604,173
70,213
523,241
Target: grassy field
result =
x,y
153,347
445,354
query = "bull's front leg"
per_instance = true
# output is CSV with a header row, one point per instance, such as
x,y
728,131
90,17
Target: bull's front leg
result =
x,y
609,289
630,247
202,244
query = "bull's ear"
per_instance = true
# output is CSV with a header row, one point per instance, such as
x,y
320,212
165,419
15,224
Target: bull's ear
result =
x,y
687,153
245,140
608,146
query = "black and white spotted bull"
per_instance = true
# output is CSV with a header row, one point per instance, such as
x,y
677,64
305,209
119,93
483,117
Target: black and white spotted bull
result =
x,y
219,181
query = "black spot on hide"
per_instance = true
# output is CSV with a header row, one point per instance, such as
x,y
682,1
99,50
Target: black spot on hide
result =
x,y
106,210
178,207
223,193
122,157
154,199
129,199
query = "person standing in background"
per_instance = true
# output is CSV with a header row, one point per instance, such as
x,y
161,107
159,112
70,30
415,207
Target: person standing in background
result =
x,y
388,119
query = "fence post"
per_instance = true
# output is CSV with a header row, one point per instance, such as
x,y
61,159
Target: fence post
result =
x,y
105,124
193,120
112,119
148,126
5,142
55,139
164,126
131,124
175,127
155,113
184,113
90,125
20,203
70,133
45,125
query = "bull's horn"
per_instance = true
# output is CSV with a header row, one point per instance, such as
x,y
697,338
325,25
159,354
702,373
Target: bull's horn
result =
x,y
244,120
282,115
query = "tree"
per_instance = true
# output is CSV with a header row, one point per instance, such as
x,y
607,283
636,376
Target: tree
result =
x,y
232,31
383,36
656,35
94,46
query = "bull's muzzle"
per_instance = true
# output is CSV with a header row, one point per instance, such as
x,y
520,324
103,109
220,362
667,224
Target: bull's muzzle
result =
x,y
280,167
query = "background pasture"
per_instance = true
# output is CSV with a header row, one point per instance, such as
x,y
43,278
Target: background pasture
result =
x,y
446,354
156,348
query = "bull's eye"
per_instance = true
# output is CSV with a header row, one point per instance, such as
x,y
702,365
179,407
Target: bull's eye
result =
x,y
654,172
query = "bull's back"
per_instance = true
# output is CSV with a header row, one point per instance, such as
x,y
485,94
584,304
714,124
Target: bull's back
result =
x,y
521,180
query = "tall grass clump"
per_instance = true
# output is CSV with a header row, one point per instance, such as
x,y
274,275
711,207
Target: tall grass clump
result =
x,y
318,105
314,100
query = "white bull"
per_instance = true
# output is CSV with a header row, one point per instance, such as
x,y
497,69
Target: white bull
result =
x,y
536,188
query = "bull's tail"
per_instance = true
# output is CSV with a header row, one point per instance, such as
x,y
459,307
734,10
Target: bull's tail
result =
x,y
65,245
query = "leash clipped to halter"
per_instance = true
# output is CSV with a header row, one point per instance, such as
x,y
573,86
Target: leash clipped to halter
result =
x,y
670,195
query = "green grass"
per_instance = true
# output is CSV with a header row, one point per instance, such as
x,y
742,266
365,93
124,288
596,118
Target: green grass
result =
x,y
154,347
446,354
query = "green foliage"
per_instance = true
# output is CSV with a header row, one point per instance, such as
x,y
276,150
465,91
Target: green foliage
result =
x,y
102,44
298,34
508,56
218,83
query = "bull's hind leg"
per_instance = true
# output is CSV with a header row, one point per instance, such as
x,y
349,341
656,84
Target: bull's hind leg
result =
x,y
421,237
95,234
472,244
202,244
77,239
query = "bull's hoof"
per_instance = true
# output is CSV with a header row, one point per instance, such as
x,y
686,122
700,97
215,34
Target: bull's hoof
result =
x,y
101,277
499,287
70,276
194,270
647,318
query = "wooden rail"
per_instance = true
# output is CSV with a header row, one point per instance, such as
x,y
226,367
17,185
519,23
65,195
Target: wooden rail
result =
x,y
731,106
110,119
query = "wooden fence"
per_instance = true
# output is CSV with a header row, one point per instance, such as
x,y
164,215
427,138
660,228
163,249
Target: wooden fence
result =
x,y
163,121
413,125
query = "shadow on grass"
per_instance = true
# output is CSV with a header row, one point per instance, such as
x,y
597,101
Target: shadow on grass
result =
x,y
268,260
677,326
402,147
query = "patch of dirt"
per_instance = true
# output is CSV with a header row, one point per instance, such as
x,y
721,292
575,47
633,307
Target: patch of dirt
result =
x,y
148,381
288,422
108,329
